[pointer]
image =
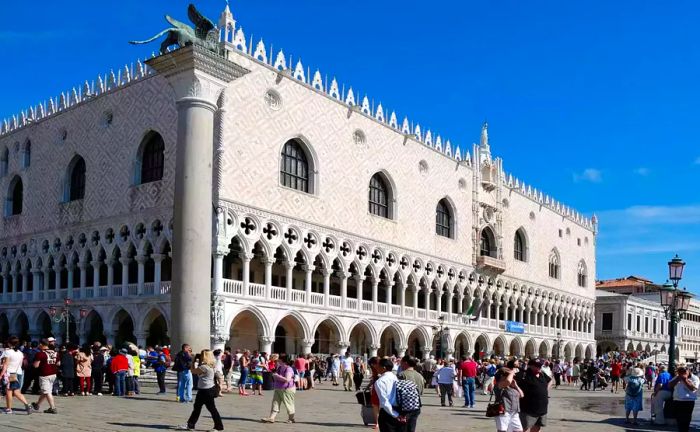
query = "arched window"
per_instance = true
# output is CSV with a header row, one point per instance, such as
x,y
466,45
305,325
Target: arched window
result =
x,y
76,180
444,219
582,274
554,265
487,243
379,196
15,197
519,246
27,154
294,167
151,158
4,162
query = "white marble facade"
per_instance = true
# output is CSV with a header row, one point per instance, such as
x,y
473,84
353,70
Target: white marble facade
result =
x,y
292,270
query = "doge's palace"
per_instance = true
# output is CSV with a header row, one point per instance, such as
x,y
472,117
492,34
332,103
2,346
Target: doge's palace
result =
x,y
230,196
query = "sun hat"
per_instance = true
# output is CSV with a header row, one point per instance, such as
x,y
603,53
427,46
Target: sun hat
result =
x,y
636,372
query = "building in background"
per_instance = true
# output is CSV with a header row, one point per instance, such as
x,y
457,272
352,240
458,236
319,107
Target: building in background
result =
x,y
628,285
335,226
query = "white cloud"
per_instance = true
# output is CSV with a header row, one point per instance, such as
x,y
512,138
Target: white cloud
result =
x,y
590,175
642,171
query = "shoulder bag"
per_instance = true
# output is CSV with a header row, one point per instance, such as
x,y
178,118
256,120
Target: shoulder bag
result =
x,y
495,409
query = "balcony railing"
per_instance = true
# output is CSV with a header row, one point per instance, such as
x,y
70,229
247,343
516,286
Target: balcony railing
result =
x,y
86,293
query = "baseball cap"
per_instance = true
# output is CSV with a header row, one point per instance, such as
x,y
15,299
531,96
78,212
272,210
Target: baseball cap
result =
x,y
535,362
50,339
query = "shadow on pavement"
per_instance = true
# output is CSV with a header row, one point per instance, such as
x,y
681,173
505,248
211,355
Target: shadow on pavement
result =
x,y
141,425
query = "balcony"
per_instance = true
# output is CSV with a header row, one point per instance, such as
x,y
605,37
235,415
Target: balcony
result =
x,y
86,293
491,263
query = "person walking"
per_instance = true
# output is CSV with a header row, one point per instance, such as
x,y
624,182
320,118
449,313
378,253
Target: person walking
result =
x,y
445,377
98,369
409,373
183,366
243,364
634,393
390,419
31,379
160,367
662,393
83,369
46,361
535,386
301,365
358,373
506,391
685,393
67,370
206,392
119,367
615,375
284,390
334,369
135,371
346,367
467,377
557,371
11,360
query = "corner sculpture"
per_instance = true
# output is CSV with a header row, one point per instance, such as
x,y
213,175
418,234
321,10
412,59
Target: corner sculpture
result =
x,y
204,33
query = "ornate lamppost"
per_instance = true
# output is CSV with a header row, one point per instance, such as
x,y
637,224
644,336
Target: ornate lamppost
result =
x,y
675,302
439,332
558,342
63,314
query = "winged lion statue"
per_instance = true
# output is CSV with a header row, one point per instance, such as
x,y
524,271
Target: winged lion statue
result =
x,y
204,32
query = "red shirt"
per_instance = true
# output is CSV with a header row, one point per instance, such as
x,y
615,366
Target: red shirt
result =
x,y
119,363
47,362
468,369
615,369
300,364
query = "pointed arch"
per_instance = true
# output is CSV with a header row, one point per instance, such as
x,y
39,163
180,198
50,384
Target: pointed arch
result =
x,y
150,158
445,219
382,195
521,245
14,202
298,165
554,264
582,274
487,243
74,185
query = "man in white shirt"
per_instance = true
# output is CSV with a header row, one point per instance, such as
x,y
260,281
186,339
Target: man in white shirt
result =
x,y
385,387
685,393
346,366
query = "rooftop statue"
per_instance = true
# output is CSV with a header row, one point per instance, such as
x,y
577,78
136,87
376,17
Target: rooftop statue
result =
x,y
204,32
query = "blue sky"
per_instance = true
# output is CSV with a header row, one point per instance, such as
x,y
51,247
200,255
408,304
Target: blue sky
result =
x,y
595,103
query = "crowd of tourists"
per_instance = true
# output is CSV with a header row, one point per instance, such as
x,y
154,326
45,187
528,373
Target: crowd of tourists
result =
x,y
390,398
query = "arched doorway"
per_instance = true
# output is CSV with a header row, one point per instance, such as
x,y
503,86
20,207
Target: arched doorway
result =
x,y
289,335
481,347
389,341
22,326
499,346
578,353
515,347
125,328
326,337
94,328
462,346
4,328
567,352
157,328
530,349
360,339
43,323
544,349
245,331
589,352
416,344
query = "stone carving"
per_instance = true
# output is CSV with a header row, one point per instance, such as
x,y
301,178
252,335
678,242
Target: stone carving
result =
x,y
204,32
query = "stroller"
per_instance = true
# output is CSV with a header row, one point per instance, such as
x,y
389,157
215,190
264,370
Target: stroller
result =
x,y
364,399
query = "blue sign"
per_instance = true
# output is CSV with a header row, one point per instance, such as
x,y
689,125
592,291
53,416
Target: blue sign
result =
x,y
515,327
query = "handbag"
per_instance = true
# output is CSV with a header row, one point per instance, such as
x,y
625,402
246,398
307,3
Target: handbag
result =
x,y
495,409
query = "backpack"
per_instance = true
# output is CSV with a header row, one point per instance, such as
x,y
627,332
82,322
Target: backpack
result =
x,y
634,387
491,371
407,397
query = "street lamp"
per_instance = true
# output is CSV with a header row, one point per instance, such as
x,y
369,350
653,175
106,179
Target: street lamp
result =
x,y
675,302
558,342
439,331
63,315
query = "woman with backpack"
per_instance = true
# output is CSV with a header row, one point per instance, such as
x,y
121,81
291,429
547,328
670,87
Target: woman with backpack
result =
x,y
634,393
507,392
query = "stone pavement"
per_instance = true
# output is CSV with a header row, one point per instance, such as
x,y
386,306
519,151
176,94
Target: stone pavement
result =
x,y
324,409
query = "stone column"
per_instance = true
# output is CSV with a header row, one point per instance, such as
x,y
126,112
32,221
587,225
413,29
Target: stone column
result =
x,y
402,299
36,284
57,279
268,276
266,344
389,295
246,257
289,267
110,335
426,352
197,77
5,285
460,301
449,353
326,286
449,305
141,280
95,277
25,284
218,286
373,350
426,294
375,294
82,265
401,351
45,282
343,275
306,345
438,302
158,272
342,347
358,281
110,275
309,269
15,283
141,338
414,288
125,275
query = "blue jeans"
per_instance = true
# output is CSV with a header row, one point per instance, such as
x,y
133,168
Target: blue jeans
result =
x,y
469,389
119,383
184,386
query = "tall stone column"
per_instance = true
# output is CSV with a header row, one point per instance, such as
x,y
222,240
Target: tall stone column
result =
x,y
36,284
326,285
268,276
218,288
82,265
157,272
197,76
141,260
